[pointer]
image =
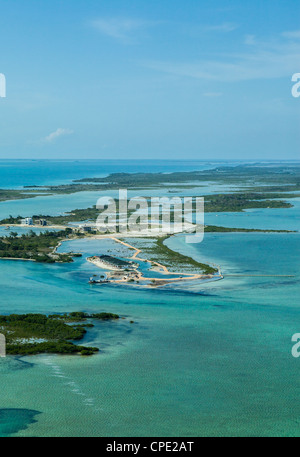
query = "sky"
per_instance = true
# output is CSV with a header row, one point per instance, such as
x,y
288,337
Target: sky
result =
x,y
167,79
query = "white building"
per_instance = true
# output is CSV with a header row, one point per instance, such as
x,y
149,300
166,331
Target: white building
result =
x,y
27,221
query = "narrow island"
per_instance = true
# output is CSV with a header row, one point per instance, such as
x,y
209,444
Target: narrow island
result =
x,y
253,182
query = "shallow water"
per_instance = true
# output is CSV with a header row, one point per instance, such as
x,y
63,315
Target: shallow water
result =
x,y
211,360
265,218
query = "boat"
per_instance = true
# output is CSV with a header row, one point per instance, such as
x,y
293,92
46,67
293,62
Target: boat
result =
x,y
93,280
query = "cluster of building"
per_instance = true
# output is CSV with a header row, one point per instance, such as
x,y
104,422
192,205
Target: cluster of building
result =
x,y
82,228
29,221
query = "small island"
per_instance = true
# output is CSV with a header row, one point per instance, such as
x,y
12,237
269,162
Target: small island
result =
x,y
31,334
38,248
128,272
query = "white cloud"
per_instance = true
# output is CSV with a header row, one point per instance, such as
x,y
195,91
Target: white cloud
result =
x,y
121,28
265,60
57,134
293,34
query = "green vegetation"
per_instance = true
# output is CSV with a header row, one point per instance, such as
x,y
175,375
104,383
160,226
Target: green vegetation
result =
x,y
258,178
262,174
278,188
11,220
79,316
31,246
156,251
10,194
28,334
105,316
46,348
179,259
237,202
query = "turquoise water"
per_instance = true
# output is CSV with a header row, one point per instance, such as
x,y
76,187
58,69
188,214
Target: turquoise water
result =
x,y
272,218
211,360
18,173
